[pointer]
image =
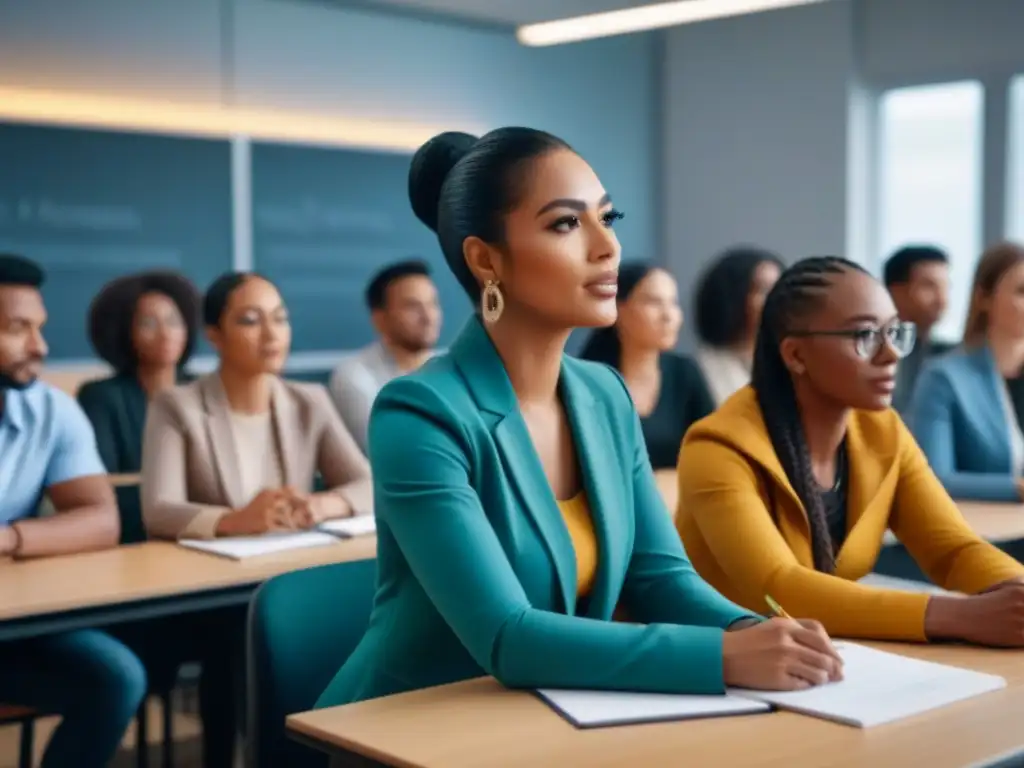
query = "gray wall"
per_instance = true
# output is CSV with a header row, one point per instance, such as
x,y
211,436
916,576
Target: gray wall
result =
x,y
309,56
768,119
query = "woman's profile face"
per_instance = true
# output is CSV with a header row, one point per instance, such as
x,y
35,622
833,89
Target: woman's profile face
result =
x,y
561,258
159,333
650,318
254,334
1006,304
838,351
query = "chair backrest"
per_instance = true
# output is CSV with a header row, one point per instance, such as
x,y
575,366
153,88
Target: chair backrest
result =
x,y
302,627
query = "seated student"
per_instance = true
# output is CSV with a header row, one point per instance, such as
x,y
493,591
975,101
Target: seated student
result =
x,y
515,503
236,452
788,488
967,410
917,278
144,326
728,302
47,446
668,389
407,317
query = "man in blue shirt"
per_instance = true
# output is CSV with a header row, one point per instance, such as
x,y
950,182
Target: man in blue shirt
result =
x,y
47,446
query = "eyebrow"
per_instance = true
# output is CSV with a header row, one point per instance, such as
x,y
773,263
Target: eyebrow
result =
x,y
869,319
575,205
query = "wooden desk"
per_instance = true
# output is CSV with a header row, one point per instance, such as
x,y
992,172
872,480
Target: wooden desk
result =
x,y
995,522
480,723
142,581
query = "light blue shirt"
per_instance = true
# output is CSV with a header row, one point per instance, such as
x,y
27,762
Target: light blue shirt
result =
x,y
45,440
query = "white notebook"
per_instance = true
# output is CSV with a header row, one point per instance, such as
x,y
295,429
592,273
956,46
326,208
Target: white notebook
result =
x,y
243,547
347,527
597,709
880,687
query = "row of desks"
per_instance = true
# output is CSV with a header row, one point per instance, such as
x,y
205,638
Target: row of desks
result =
x,y
478,722
460,724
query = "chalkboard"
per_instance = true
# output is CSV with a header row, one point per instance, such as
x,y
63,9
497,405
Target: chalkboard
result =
x,y
93,205
324,220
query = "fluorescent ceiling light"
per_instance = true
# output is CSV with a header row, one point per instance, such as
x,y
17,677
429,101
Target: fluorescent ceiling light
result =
x,y
642,19
276,125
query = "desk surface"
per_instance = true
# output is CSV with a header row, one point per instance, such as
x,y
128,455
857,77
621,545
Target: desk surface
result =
x,y
146,571
479,722
995,522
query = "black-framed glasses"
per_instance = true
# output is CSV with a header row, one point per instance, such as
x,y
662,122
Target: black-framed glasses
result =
x,y
868,341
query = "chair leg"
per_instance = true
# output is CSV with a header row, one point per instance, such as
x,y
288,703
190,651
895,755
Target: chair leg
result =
x,y
167,698
26,745
142,736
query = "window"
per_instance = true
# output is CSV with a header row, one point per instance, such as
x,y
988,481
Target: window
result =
x,y
1015,166
930,176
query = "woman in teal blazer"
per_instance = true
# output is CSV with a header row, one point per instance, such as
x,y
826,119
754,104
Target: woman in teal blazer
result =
x,y
480,569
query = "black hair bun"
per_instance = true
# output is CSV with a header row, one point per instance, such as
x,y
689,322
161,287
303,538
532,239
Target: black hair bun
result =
x,y
429,168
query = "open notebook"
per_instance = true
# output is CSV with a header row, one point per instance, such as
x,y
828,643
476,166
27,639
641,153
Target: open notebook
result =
x,y
243,547
879,687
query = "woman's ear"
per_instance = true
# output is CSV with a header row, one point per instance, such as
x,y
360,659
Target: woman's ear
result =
x,y
791,351
483,260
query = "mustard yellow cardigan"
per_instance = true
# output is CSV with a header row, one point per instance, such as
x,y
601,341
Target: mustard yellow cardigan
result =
x,y
747,533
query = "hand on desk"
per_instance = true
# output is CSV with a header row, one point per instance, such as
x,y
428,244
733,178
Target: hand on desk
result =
x,y
282,509
994,617
780,655
279,509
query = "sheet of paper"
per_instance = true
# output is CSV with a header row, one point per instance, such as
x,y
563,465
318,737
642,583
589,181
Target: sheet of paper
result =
x,y
242,547
880,687
906,585
346,527
596,709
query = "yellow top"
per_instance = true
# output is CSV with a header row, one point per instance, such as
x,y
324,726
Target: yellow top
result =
x,y
746,531
576,513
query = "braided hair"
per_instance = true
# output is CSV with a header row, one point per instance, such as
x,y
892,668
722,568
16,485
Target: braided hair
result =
x,y
800,289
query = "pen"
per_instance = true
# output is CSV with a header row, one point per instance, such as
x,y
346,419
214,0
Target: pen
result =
x,y
776,608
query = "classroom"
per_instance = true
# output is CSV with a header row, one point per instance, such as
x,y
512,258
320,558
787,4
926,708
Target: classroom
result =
x,y
443,383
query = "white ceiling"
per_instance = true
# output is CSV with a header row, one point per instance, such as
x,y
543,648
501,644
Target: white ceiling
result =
x,y
512,12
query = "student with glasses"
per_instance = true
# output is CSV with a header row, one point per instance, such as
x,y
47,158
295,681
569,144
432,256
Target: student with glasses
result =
x,y
788,488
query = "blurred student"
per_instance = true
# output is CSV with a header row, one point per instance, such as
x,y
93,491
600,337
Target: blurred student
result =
x,y
788,489
967,410
668,390
516,507
236,452
404,308
917,278
145,326
87,677
728,300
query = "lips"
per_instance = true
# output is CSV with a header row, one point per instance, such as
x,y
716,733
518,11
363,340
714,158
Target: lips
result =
x,y
886,384
606,286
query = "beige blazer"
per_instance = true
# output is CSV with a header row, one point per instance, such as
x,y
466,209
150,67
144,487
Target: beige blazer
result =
x,y
190,467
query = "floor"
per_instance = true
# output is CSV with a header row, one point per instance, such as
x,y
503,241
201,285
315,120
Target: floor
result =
x,y
186,748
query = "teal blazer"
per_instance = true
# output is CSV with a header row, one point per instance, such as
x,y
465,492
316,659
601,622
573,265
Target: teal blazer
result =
x,y
476,570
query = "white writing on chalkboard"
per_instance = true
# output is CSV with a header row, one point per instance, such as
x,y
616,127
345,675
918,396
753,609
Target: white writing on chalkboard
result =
x,y
311,217
60,215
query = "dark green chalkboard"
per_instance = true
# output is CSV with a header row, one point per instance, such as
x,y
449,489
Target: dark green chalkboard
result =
x,y
92,205
324,220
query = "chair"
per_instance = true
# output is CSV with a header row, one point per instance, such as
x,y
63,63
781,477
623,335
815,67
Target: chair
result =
x,y
11,714
302,627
